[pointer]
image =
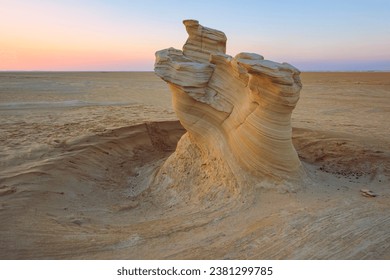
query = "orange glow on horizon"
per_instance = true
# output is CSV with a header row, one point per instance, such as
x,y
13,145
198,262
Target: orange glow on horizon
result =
x,y
49,59
20,54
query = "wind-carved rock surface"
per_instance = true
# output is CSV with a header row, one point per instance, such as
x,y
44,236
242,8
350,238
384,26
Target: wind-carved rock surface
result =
x,y
236,110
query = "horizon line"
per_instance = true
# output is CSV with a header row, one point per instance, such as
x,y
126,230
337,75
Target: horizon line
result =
x,y
152,71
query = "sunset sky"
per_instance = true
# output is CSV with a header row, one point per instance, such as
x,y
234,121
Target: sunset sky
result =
x,y
123,35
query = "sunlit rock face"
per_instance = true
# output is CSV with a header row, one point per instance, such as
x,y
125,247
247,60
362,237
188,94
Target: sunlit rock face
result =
x,y
235,109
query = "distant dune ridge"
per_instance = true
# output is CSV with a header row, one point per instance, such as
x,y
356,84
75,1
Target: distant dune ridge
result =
x,y
237,111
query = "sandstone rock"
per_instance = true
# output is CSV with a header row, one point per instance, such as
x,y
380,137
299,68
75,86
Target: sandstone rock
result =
x,y
202,41
237,111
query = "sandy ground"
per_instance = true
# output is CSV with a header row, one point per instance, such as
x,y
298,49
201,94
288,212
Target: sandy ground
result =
x,y
79,150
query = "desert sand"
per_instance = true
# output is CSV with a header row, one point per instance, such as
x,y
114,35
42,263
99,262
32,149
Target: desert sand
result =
x,y
89,170
71,176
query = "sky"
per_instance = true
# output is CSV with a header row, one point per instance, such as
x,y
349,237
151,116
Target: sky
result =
x,y
123,35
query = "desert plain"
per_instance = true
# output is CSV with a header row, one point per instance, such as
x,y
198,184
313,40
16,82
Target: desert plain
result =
x,y
79,150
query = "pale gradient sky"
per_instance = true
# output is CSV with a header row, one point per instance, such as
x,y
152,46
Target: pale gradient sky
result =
x,y
123,35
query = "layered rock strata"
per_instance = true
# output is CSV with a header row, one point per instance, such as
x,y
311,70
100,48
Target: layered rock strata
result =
x,y
236,110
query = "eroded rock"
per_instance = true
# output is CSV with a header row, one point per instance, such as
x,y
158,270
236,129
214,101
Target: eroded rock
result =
x,y
236,110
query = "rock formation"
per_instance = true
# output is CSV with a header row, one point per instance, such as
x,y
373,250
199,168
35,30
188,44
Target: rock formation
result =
x,y
237,111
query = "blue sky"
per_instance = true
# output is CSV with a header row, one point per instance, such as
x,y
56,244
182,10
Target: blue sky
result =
x,y
123,35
